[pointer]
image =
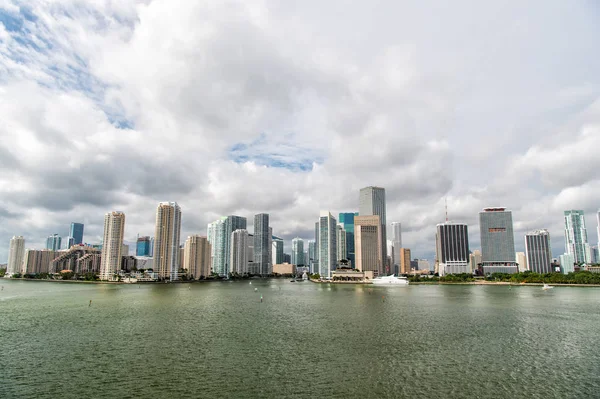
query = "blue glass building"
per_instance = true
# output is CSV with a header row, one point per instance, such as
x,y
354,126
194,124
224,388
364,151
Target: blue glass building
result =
x,y
77,233
347,219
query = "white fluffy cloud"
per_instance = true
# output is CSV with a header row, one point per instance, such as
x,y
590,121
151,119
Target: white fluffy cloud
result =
x,y
240,107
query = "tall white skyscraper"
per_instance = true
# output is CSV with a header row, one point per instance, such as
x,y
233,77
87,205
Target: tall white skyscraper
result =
x,y
372,202
112,245
327,244
576,239
261,244
196,259
298,251
239,251
167,240
16,252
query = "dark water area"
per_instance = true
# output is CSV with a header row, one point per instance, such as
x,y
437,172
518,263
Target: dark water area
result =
x,y
304,340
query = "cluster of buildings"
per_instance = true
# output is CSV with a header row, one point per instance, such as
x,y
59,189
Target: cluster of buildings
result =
x,y
355,240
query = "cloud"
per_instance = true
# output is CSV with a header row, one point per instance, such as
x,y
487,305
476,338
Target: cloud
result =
x,y
262,106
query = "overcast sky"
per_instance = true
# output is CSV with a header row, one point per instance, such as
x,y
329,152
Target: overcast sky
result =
x,y
290,107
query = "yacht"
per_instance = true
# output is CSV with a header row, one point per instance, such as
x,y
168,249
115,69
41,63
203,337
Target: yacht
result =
x,y
547,287
390,280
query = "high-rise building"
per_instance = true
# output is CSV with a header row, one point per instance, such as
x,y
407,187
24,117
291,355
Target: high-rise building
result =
x,y
396,242
367,244
595,255
16,253
298,251
70,242
142,247
312,255
239,251
475,260
152,247
452,248
497,241
567,263
277,251
576,239
219,235
39,261
522,261
372,202
53,242
327,244
347,221
216,237
598,229
196,258
405,263
112,245
341,242
167,241
270,246
315,266
261,244
538,251
76,232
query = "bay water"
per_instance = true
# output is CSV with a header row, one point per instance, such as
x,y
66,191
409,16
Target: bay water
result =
x,y
303,340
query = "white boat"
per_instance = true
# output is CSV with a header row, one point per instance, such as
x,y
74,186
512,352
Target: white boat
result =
x,y
547,287
390,280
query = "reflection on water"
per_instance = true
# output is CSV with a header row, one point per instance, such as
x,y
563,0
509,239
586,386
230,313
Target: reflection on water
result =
x,y
302,340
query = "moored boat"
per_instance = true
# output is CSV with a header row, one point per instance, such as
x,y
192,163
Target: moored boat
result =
x,y
390,280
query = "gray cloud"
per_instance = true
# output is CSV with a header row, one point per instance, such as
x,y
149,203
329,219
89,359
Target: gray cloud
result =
x,y
485,104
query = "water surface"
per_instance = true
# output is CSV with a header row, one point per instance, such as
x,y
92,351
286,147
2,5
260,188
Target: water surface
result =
x,y
303,340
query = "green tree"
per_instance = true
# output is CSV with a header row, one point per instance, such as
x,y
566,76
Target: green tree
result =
x,y
2,272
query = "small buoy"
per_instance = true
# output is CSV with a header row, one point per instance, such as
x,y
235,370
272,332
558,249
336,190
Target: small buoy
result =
x,y
90,303
250,282
261,298
256,289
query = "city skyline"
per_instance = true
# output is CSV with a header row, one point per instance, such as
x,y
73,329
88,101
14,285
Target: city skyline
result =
x,y
392,107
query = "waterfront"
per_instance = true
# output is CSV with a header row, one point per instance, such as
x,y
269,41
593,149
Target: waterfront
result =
x,y
304,340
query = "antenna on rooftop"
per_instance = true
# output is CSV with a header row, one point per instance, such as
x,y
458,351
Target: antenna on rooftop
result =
x,y
446,204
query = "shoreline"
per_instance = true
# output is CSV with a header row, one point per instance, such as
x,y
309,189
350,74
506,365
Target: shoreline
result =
x,y
467,283
501,283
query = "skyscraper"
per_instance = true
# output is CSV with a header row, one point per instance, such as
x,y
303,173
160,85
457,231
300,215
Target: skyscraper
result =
x,y
475,260
239,251
452,248
347,220
315,265
261,244
16,252
327,244
405,261
576,239
538,251
143,246
53,242
167,240
341,242
112,245
298,251
367,244
397,242
70,242
277,251
196,259
522,261
311,256
598,227
76,232
372,202
219,235
497,241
